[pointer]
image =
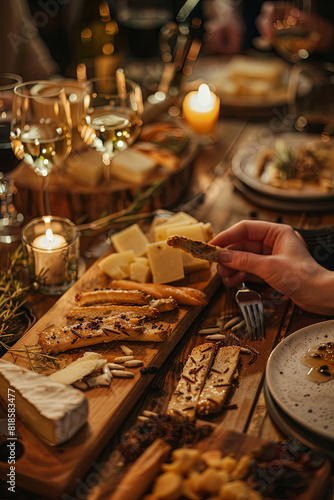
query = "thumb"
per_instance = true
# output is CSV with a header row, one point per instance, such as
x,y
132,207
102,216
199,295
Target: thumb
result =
x,y
241,261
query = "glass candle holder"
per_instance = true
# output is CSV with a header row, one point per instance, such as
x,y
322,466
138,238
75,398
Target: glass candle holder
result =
x,y
52,247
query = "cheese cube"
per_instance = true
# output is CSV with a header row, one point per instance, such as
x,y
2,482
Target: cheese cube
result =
x,y
132,166
208,231
140,272
143,260
165,261
196,232
180,218
160,225
131,238
117,265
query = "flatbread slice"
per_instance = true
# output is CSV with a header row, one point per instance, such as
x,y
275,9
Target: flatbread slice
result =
x,y
196,248
184,399
219,380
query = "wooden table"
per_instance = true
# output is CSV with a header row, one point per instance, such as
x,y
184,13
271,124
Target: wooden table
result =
x,y
223,206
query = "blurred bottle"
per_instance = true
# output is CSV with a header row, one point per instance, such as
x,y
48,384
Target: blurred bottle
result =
x,y
140,22
98,46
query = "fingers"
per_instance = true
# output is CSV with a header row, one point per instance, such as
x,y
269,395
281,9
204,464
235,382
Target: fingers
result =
x,y
261,232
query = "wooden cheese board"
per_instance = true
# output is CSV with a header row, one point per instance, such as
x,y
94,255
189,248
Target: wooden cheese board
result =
x,y
108,407
228,442
71,198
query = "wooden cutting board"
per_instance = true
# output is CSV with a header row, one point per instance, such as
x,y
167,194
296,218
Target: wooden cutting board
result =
x,y
51,471
227,441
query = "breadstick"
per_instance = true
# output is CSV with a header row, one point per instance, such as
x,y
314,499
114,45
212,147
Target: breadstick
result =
x,y
196,248
182,295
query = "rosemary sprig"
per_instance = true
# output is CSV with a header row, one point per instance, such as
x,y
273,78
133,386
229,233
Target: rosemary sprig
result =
x,y
285,160
127,215
26,350
13,296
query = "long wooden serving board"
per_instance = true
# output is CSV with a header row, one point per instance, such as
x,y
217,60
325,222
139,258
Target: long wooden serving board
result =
x,y
52,471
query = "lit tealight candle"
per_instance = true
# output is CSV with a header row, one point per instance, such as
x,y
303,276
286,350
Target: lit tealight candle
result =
x,y
49,257
201,110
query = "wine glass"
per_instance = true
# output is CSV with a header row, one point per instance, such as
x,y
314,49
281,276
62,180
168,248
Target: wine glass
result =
x,y
295,30
112,120
41,129
8,161
311,99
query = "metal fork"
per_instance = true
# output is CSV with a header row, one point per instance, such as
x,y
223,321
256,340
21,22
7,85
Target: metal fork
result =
x,y
251,306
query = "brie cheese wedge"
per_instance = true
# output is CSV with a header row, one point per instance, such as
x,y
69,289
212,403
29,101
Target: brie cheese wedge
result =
x,y
51,410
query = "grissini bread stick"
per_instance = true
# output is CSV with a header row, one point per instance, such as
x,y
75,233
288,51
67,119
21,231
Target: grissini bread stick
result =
x,y
93,312
183,295
141,474
126,297
128,326
196,248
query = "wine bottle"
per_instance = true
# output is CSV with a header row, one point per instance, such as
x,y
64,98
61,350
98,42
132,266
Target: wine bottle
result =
x,y
99,51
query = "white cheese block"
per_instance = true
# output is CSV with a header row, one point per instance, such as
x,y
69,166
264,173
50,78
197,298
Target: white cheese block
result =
x,y
132,166
117,265
166,262
131,238
196,232
179,219
143,260
51,410
140,272
79,369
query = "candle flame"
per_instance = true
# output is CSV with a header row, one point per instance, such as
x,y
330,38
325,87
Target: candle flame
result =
x,y
49,236
204,95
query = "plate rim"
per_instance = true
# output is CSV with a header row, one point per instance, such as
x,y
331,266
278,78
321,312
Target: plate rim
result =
x,y
266,189
286,425
321,432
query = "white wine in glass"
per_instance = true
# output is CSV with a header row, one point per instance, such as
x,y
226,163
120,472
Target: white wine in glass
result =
x,y
112,120
295,31
41,129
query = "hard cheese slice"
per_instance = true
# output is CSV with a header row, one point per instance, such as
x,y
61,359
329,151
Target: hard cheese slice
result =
x,y
52,410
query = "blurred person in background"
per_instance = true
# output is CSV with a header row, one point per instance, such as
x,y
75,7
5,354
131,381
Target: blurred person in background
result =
x,y
22,50
233,25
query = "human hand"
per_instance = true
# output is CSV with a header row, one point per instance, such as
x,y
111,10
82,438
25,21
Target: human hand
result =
x,y
273,11
276,254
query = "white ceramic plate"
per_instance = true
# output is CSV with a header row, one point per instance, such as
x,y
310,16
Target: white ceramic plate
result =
x,y
291,428
308,403
244,167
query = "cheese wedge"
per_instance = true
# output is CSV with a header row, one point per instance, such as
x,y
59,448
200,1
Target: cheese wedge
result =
x,y
184,399
219,380
52,411
80,368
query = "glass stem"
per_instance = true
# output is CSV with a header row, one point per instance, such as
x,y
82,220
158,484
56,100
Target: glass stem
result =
x,y
46,195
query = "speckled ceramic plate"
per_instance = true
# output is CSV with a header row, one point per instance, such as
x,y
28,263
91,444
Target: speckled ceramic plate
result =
x,y
290,427
308,403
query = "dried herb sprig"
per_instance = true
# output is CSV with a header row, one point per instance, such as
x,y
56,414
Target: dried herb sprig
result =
x,y
13,296
128,215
